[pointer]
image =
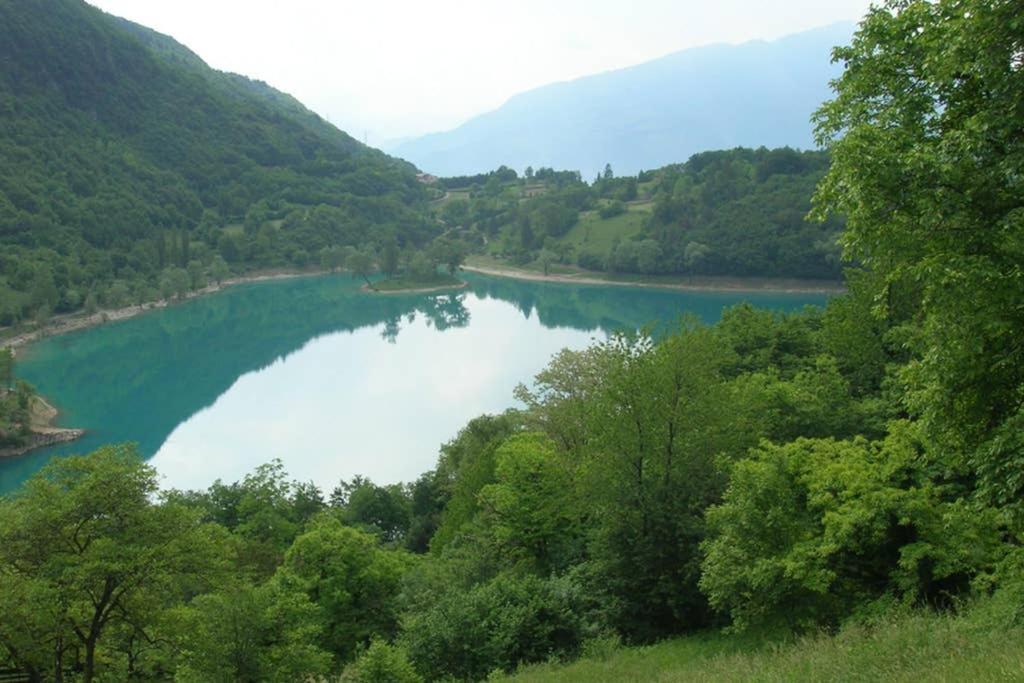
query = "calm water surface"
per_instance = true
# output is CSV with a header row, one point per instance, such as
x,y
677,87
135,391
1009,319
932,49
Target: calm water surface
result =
x,y
332,381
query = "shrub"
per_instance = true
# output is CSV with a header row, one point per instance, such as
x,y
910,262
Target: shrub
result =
x,y
498,624
381,663
810,530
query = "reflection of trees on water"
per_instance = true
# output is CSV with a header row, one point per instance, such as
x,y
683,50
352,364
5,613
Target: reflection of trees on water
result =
x,y
442,311
158,370
446,311
611,309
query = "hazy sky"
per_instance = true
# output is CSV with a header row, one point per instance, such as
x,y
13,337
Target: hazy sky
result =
x,y
393,68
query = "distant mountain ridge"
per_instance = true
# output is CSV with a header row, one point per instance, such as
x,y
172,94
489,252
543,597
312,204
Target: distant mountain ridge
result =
x,y
652,114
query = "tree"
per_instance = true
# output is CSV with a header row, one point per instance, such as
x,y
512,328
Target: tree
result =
x,y
86,538
42,290
452,253
810,530
529,510
360,262
196,274
247,633
383,510
456,212
352,580
174,282
545,258
389,257
607,175
263,514
6,368
382,663
694,254
333,258
219,269
497,624
648,256
924,134
421,267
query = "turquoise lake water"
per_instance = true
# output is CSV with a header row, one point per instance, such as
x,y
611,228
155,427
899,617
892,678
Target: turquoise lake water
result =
x,y
333,381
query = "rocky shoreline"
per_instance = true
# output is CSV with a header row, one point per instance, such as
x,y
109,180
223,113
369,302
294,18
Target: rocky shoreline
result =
x,y
42,440
79,321
43,433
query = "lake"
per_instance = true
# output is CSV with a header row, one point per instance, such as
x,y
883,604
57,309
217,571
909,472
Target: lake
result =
x,y
333,381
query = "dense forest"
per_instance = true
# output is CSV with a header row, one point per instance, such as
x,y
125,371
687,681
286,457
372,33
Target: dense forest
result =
x,y
132,170
740,212
796,473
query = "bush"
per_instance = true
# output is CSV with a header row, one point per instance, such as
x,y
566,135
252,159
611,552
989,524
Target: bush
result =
x,y
615,208
810,531
381,663
502,623
591,260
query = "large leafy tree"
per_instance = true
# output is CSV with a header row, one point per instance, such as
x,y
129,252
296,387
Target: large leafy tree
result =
x,y
928,161
84,549
350,578
246,633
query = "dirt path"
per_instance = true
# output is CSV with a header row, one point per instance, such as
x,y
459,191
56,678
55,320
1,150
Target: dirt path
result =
x,y
718,285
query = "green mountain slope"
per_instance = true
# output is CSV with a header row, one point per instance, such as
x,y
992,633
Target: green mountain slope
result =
x,y
122,154
727,213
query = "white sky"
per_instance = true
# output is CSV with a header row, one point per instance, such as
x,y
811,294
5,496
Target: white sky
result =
x,y
386,69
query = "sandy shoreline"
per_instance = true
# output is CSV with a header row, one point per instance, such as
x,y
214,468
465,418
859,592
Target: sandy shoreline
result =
x,y
72,322
725,285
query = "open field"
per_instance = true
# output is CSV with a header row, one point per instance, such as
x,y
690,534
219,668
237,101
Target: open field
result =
x,y
985,644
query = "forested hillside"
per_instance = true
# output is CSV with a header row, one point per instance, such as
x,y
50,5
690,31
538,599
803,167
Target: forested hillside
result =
x,y
740,212
129,164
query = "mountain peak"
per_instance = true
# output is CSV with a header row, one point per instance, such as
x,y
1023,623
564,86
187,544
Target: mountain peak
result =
x,y
715,96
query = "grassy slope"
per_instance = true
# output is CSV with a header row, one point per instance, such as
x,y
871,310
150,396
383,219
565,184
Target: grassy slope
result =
x,y
593,233
978,646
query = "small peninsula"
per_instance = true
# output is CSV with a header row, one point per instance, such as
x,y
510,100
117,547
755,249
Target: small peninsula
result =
x,y
410,284
39,431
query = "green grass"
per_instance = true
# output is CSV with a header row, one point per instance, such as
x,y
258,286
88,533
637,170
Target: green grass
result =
x,y
403,283
593,233
489,261
984,644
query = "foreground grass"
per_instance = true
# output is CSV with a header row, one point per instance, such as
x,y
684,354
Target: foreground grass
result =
x,y
985,644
